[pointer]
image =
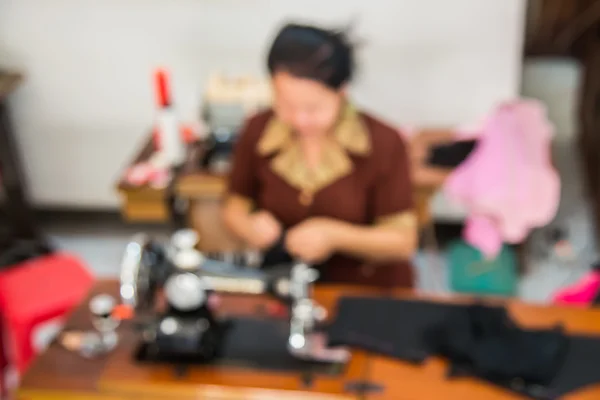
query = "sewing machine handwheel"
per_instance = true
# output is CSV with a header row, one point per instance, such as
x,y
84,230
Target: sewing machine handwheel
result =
x,y
143,267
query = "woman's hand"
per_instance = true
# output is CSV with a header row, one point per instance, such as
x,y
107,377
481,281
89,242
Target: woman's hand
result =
x,y
313,240
266,229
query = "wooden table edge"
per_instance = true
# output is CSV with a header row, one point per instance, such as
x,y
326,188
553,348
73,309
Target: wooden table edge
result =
x,y
40,394
219,392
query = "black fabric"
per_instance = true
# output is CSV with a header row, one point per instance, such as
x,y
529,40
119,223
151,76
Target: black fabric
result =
x,y
580,367
481,341
484,342
578,370
277,254
386,326
451,155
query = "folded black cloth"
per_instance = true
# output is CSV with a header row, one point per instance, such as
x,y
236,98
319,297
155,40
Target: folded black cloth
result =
x,y
480,341
484,342
580,367
386,326
578,370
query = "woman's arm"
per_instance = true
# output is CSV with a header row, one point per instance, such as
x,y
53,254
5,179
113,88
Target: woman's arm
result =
x,y
376,243
315,239
236,216
256,229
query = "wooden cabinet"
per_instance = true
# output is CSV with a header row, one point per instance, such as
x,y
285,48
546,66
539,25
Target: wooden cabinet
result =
x,y
143,203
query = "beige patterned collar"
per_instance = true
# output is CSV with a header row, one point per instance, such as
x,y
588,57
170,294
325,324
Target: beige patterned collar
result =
x,y
351,133
350,136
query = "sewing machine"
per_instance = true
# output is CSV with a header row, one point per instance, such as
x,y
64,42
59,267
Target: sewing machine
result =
x,y
170,288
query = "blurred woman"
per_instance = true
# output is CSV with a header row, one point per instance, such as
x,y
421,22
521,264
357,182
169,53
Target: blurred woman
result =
x,y
331,183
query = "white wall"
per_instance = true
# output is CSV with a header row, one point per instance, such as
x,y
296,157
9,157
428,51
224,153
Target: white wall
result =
x,y
556,82
88,100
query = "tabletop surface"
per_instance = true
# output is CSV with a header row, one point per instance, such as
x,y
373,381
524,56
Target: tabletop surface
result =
x,y
60,374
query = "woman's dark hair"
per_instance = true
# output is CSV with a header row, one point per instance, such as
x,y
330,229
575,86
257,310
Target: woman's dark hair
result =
x,y
326,56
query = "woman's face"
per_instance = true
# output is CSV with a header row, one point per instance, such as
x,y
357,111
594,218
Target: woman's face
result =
x,y
308,106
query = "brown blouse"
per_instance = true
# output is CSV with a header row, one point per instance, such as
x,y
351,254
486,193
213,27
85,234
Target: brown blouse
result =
x,y
363,179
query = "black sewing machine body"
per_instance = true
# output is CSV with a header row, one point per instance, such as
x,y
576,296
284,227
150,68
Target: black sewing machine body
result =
x,y
171,289
175,336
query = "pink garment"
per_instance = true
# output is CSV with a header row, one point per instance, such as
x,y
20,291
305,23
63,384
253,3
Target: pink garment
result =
x,y
507,184
481,232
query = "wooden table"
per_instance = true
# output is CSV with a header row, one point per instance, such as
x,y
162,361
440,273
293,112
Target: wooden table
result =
x,y
58,374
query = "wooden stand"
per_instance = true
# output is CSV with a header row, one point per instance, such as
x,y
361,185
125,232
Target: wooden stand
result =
x,y
143,203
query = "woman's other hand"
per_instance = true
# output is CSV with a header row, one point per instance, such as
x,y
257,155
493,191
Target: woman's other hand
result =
x,y
267,230
313,240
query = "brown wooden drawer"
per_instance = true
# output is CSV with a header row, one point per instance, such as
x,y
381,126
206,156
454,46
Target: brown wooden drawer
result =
x,y
140,209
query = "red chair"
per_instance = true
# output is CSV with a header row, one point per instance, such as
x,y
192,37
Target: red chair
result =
x,y
36,291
